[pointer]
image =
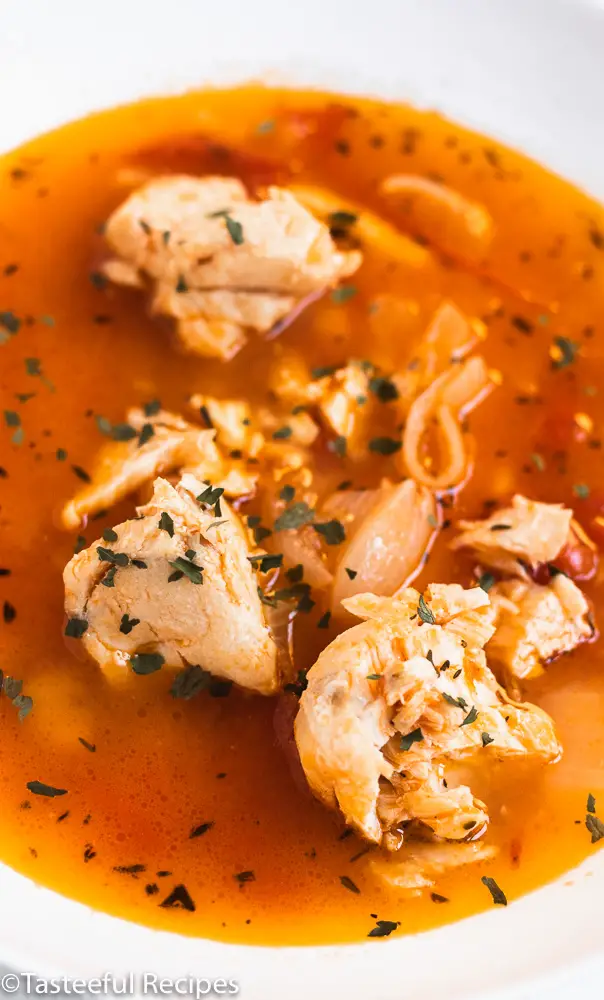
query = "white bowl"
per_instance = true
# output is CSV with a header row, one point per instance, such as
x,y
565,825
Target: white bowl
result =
x,y
528,72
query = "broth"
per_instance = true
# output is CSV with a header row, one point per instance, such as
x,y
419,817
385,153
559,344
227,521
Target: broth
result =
x,y
161,768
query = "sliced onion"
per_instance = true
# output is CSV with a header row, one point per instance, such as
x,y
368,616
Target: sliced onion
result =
x,y
461,227
370,228
448,337
303,547
449,397
387,549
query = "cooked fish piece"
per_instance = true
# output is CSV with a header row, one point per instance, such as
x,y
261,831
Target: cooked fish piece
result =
x,y
233,422
161,444
527,532
219,262
176,582
392,702
535,624
419,865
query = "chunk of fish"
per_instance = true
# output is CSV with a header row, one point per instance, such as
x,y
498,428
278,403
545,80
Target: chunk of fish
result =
x,y
162,443
392,702
219,262
535,624
526,532
130,593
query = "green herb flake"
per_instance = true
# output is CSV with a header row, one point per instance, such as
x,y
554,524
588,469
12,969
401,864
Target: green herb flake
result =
x,y
565,352
470,717
324,620
235,230
33,366
10,322
349,884
246,876
499,897
374,677
282,433
198,831
383,388
109,535
189,569
152,408
109,578
147,432
456,702
581,490
486,581
189,682
383,928
332,531
12,418
338,446
179,899
343,294
538,461
384,445
166,524
40,788
287,493
108,555
595,827
591,803
181,285
323,371
80,543
425,613
486,739
146,663
76,627
342,218
266,563
127,624
351,573
91,747
295,516
416,736
80,473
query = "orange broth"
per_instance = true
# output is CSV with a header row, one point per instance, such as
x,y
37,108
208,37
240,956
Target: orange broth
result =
x,y
162,767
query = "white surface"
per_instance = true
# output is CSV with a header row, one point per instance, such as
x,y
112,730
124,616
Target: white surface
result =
x,y
526,71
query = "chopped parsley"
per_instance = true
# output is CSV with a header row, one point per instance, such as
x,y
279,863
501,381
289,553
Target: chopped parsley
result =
x,y
40,788
198,831
166,524
425,613
384,445
332,531
294,517
343,294
383,388
342,218
416,736
187,568
282,433
470,717
127,624
246,876
595,826
384,928
564,352
235,230
486,581
91,747
146,663
499,897
324,620
349,884
323,371
108,555
266,563
109,535
486,739
287,493
76,627
179,899
152,408
351,573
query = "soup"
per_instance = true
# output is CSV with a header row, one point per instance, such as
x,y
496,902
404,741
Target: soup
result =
x,y
192,814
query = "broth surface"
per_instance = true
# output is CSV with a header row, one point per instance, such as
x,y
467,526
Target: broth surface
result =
x,y
162,768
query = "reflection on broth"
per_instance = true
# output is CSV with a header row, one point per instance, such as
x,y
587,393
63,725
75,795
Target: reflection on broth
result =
x,y
262,352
